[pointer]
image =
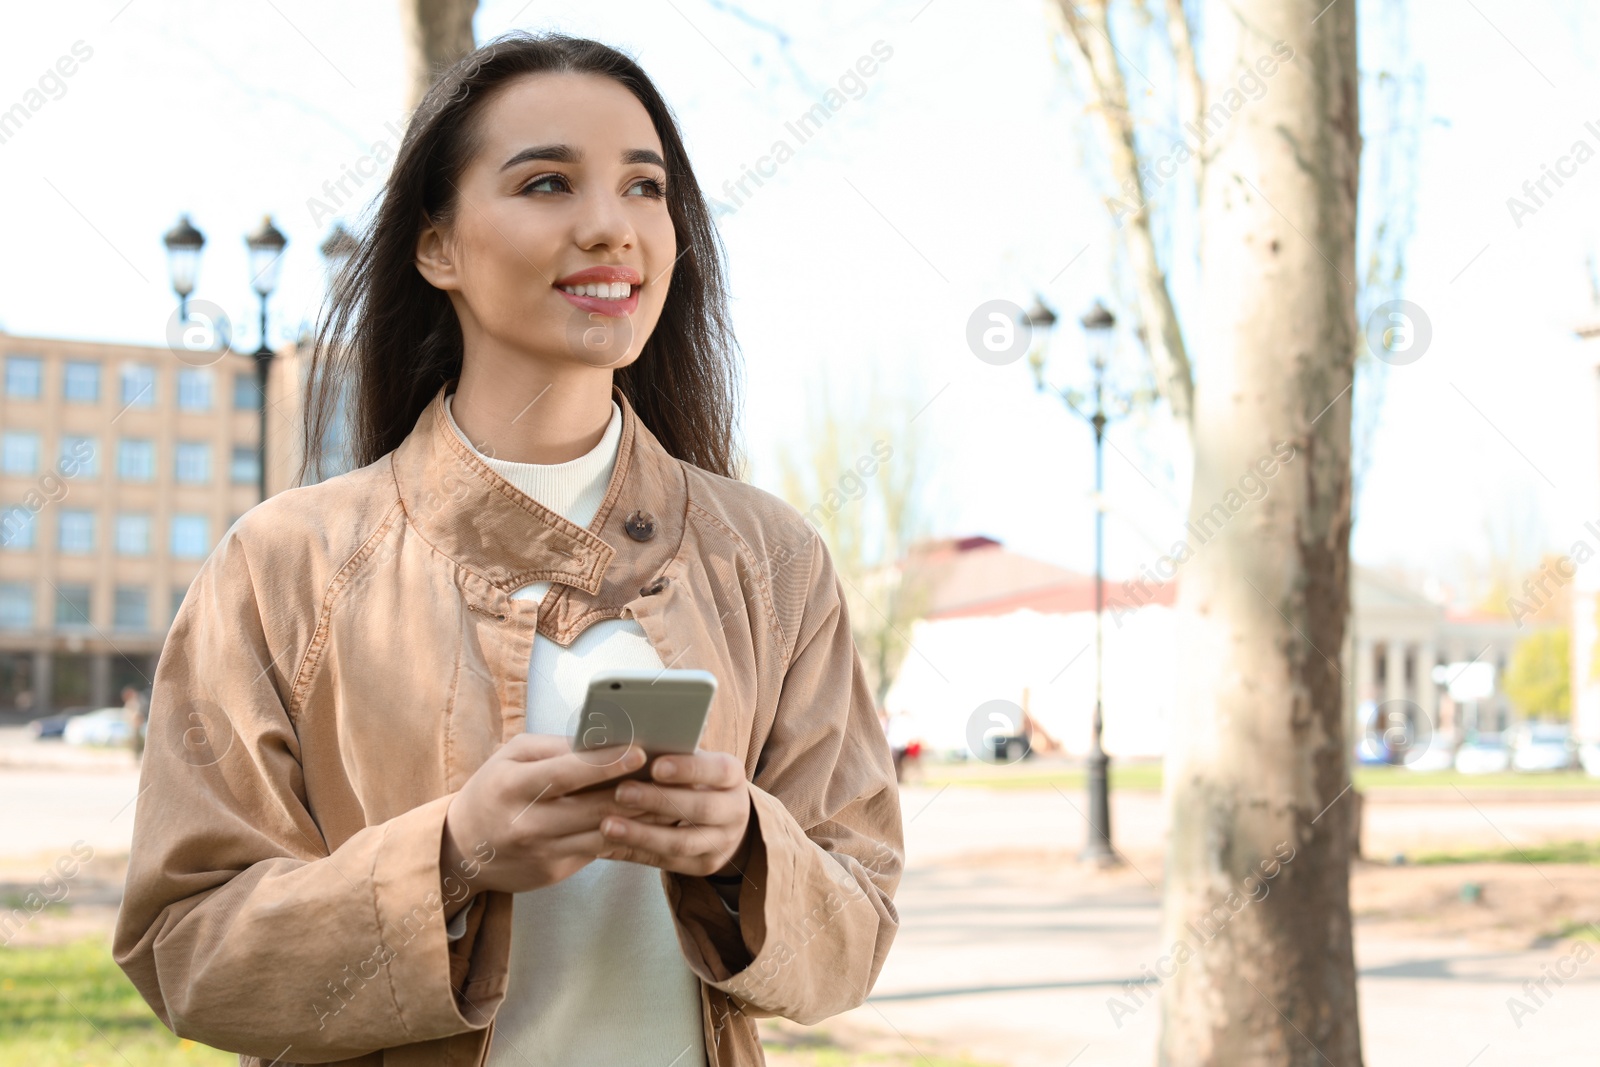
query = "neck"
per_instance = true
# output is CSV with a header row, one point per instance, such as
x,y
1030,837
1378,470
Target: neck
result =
x,y
527,412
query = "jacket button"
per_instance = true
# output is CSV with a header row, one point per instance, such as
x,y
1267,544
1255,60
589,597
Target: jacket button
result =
x,y
653,588
641,525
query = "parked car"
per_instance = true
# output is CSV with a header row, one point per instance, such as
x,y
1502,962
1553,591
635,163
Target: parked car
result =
x,y
1438,756
1589,757
51,727
1542,747
1484,754
107,726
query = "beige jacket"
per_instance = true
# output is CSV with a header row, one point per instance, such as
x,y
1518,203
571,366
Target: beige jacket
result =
x,y
350,653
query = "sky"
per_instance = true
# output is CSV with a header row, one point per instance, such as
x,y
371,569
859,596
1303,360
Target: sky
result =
x,y
963,170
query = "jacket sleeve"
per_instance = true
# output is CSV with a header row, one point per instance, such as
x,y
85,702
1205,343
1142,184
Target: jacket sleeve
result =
x,y
239,925
816,910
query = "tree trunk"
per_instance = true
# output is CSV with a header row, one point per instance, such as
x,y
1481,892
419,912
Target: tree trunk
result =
x,y
1259,969
437,33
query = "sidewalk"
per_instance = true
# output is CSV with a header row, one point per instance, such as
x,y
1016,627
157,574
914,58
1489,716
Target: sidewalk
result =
x,y
19,749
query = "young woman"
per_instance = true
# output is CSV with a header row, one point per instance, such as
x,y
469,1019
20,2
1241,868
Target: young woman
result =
x,y
359,836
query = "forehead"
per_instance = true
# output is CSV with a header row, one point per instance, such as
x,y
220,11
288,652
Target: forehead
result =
x,y
594,114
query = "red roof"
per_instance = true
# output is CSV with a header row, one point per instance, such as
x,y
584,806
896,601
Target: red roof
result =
x,y
976,576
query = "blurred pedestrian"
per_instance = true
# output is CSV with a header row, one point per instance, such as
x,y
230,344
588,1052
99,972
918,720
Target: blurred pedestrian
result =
x,y
134,715
902,742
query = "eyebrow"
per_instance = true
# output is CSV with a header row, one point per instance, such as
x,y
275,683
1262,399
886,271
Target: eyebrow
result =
x,y
562,153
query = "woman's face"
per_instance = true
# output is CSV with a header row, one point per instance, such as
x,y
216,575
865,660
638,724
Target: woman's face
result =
x,y
561,246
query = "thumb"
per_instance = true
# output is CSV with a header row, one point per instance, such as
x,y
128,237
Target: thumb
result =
x,y
530,746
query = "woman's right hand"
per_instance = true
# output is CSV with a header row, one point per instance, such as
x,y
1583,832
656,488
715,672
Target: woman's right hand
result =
x,y
516,821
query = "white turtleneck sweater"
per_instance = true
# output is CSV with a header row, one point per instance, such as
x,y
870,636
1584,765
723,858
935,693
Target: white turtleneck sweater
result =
x,y
596,973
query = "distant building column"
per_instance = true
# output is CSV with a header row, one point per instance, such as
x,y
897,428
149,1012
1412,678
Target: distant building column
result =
x,y
1427,696
100,679
43,677
1394,671
1366,675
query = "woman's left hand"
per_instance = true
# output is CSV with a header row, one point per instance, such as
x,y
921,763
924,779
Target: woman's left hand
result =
x,y
705,802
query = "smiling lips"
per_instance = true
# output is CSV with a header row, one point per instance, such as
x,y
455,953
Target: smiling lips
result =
x,y
611,291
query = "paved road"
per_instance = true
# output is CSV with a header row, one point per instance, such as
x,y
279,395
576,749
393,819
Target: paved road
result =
x,y
46,811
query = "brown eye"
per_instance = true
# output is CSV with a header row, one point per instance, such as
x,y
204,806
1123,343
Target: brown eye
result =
x,y
545,179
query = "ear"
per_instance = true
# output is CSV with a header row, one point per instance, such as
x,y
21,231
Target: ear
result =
x,y
434,262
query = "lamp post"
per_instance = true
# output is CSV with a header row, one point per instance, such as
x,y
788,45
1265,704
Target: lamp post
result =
x,y
266,256
337,249
184,243
1098,324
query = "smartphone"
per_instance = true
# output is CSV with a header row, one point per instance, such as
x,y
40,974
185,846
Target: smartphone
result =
x,y
662,711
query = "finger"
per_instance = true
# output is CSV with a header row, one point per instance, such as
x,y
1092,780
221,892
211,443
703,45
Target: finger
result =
x,y
550,816
685,844
694,866
573,845
718,769
597,843
563,774
527,746
699,806
536,747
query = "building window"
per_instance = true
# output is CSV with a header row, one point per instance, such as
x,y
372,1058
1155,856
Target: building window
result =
x,y
72,605
178,593
246,393
133,535
82,382
20,452
132,609
246,469
193,462
80,456
194,389
77,531
190,537
16,606
23,374
138,385
136,460
16,528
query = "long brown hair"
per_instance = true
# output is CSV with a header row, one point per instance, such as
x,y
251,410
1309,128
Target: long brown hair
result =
x,y
388,339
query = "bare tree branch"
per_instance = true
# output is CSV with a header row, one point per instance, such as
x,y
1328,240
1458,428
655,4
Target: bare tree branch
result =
x,y
1091,32
1192,89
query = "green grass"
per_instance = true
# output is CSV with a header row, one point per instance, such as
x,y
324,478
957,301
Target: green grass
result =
x,y
72,1005
1572,930
841,1058
819,1050
1147,776
1581,852
1402,777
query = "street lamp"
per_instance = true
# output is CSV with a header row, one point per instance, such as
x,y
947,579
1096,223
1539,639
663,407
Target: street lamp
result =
x,y
266,257
1042,322
184,243
1098,325
338,248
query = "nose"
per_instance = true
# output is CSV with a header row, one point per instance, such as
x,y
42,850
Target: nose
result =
x,y
603,222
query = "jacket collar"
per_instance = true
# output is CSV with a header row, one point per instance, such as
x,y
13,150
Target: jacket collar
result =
x,y
484,523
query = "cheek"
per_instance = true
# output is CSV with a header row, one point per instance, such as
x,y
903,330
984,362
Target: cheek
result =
x,y
508,258
661,255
